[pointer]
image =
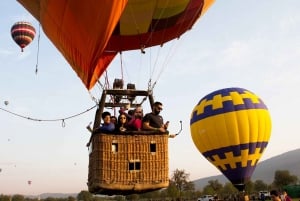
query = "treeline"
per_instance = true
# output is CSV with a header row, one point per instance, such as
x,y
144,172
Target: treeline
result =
x,y
181,188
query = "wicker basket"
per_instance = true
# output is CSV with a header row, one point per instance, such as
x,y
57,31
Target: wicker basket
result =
x,y
128,163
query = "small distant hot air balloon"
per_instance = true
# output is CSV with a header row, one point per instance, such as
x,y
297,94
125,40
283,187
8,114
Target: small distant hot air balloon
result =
x,y
22,33
231,128
29,182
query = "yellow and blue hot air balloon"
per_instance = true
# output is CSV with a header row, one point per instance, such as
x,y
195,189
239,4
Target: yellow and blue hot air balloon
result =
x,y
231,127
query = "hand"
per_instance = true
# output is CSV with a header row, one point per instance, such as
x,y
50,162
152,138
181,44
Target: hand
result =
x,y
172,136
162,130
166,125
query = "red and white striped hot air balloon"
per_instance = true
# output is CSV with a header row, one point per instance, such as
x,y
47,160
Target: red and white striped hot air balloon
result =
x,y
22,33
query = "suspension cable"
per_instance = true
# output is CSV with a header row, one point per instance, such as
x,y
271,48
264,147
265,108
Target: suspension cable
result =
x,y
38,50
48,120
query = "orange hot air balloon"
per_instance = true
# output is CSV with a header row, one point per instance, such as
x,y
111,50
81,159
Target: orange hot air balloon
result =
x,y
22,33
90,34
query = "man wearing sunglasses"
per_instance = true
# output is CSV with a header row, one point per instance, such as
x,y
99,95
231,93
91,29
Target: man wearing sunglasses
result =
x,y
153,121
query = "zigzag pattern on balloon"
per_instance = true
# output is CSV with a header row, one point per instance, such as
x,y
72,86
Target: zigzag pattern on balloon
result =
x,y
233,157
226,101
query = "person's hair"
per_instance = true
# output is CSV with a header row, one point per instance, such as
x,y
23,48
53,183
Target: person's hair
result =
x,y
274,192
104,114
157,103
119,117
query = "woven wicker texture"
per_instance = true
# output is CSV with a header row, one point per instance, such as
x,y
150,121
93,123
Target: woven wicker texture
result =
x,y
128,162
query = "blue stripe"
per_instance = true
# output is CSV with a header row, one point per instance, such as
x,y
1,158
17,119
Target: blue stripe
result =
x,y
235,149
228,106
239,175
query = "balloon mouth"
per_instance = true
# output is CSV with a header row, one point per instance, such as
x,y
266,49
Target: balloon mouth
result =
x,y
240,187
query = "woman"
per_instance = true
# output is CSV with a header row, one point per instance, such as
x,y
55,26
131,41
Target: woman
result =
x,y
122,123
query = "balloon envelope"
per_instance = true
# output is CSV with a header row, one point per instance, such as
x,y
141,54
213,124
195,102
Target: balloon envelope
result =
x,y
22,33
90,33
231,128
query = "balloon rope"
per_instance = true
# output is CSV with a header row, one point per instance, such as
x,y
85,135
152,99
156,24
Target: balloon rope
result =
x,y
38,50
60,119
121,59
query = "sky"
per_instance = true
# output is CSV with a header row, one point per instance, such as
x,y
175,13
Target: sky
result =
x,y
251,44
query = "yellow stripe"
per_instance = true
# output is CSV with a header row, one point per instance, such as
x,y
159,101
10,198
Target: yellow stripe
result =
x,y
166,9
233,128
137,16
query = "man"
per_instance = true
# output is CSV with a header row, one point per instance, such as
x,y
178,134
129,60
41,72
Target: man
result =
x,y
136,121
153,121
106,127
275,195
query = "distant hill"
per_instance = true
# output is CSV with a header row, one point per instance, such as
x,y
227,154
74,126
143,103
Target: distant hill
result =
x,y
265,170
53,195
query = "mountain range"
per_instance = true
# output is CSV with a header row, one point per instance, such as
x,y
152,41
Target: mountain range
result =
x,y
265,170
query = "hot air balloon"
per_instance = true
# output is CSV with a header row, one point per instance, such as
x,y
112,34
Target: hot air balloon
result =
x,y
89,35
29,182
22,33
231,127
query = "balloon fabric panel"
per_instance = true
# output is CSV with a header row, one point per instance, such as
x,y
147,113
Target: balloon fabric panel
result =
x,y
160,21
80,31
90,34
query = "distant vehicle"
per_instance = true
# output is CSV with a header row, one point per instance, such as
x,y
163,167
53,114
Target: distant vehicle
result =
x,y
206,198
265,194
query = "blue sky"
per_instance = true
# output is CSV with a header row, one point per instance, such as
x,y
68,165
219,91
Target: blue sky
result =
x,y
250,44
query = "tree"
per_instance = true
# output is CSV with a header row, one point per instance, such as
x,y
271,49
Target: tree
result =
x,y
189,190
181,180
283,178
249,187
259,185
18,197
84,196
71,198
4,198
172,190
132,197
213,187
228,190
120,198
50,199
